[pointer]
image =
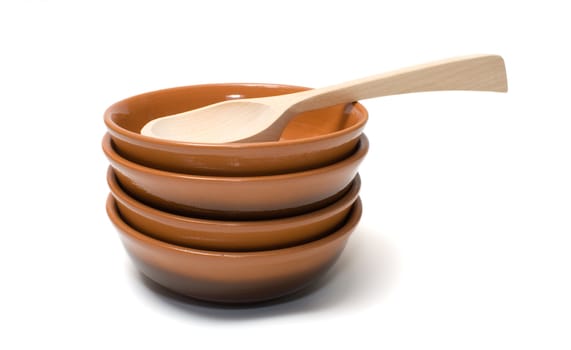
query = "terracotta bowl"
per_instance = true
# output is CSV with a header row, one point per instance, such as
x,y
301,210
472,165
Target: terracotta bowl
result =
x,y
237,198
232,235
311,140
233,277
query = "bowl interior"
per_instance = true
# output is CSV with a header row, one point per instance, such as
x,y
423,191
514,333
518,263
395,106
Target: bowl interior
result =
x,y
133,113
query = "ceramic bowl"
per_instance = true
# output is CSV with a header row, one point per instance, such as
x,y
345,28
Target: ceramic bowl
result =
x,y
232,277
232,235
311,140
236,198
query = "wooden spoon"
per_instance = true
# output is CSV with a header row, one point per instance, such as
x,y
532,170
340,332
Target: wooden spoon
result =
x,y
264,119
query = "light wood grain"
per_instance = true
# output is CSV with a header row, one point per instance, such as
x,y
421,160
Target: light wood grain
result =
x,y
263,119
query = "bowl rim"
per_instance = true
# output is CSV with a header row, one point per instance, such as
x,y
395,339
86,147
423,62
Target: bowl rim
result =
x,y
348,227
345,201
107,118
357,155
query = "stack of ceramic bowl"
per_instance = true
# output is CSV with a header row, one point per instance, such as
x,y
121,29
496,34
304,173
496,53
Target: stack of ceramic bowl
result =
x,y
234,223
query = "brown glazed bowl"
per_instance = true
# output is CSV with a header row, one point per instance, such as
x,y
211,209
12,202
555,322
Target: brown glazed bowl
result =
x,y
233,277
311,140
236,198
232,235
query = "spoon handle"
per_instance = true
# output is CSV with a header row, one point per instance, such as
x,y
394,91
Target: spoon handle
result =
x,y
476,72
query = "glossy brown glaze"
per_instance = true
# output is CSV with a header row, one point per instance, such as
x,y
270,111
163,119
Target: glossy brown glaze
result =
x,y
232,235
237,198
313,139
233,277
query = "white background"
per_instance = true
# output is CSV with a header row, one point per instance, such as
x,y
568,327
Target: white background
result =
x,y
465,242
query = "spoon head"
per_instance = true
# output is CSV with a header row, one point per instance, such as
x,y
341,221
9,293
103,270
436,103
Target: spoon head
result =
x,y
224,122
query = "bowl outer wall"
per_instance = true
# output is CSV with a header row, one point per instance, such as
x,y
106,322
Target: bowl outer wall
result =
x,y
233,277
232,235
243,198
